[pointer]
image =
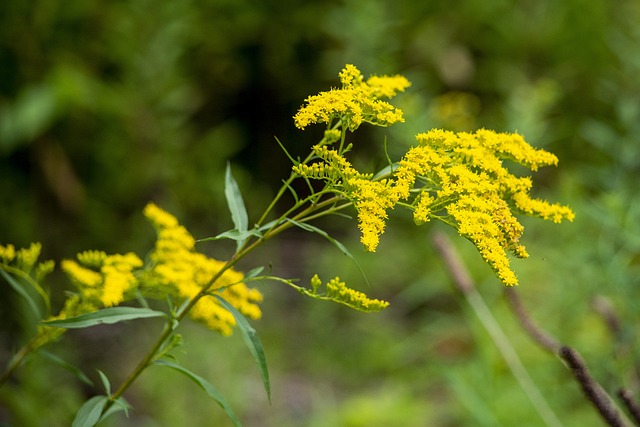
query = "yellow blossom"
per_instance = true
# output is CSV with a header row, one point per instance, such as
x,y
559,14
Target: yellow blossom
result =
x,y
181,272
118,276
7,253
339,292
27,257
81,276
356,102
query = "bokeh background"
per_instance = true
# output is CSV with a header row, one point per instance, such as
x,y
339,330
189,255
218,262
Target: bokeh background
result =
x,y
107,105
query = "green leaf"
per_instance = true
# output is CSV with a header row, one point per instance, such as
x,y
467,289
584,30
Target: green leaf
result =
x,y
270,225
386,171
105,382
118,405
204,385
66,365
89,413
252,341
236,204
33,305
336,243
233,235
253,273
106,316
285,151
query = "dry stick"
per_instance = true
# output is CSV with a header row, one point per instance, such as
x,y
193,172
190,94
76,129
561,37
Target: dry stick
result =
x,y
632,406
591,388
464,283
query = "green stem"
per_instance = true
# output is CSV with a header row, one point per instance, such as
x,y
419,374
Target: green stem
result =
x,y
17,359
310,213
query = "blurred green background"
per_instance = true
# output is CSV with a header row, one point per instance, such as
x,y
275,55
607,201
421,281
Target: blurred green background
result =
x,y
106,105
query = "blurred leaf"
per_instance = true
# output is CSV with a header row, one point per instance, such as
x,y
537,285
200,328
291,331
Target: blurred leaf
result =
x,y
66,365
254,272
252,341
31,114
386,171
20,289
89,414
118,405
105,382
106,316
204,385
336,243
236,204
239,236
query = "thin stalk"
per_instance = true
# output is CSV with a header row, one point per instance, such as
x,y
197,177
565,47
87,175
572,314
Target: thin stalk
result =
x,y
305,215
16,360
463,282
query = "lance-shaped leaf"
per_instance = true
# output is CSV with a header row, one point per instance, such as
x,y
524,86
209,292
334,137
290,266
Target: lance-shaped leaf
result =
x,y
252,341
33,305
236,204
90,413
336,243
106,316
204,385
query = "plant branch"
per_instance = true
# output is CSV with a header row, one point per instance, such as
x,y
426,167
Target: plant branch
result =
x,y
462,280
591,388
632,406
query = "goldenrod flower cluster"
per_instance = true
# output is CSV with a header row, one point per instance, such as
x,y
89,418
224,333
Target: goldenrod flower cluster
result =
x,y
25,260
180,271
356,102
103,280
458,178
337,291
175,270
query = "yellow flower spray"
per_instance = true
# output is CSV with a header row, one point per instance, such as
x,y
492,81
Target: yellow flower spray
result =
x,y
456,178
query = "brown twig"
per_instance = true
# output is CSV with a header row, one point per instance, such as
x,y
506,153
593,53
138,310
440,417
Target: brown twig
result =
x,y
632,406
462,280
540,336
591,388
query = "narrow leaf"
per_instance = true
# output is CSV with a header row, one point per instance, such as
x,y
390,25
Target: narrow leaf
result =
x,y
23,293
386,171
233,235
252,341
253,272
118,405
204,385
235,202
89,413
269,225
285,151
66,365
106,316
105,382
336,243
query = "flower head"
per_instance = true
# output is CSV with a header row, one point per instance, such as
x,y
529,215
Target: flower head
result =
x,y
181,272
356,102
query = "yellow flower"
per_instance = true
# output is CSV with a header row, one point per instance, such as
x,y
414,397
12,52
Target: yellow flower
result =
x,y
27,257
7,253
81,276
356,102
339,292
181,272
118,276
